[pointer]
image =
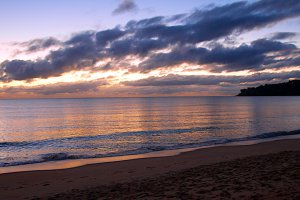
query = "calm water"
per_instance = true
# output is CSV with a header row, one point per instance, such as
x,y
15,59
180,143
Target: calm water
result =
x,y
56,129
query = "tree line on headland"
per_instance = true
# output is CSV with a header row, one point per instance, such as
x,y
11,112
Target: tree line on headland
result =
x,y
291,88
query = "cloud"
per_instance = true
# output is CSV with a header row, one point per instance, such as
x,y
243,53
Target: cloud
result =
x,y
105,37
134,47
58,88
179,35
183,80
23,70
252,56
205,25
39,44
80,51
125,6
283,35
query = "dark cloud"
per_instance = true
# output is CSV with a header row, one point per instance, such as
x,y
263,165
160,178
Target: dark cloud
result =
x,y
23,70
58,88
132,25
134,47
125,6
251,56
181,80
178,34
83,38
283,35
205,25
105,37
40,44
290,61
80,54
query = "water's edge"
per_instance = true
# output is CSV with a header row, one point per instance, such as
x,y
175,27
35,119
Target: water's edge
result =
x,y
72,163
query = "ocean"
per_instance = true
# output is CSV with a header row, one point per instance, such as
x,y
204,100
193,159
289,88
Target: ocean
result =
x,y
42,130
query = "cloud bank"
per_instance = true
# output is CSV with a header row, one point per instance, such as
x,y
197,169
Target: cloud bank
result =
x,y
165,42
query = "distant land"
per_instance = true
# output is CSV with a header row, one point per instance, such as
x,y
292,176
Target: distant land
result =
x,y
291,88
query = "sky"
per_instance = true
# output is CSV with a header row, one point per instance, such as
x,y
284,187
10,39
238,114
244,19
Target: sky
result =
x,y
141,48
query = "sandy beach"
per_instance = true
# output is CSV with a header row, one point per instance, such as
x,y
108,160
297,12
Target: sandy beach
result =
x,y
268,170
144,100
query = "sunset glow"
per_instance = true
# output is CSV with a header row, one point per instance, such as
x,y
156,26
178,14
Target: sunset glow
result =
x,y
156,53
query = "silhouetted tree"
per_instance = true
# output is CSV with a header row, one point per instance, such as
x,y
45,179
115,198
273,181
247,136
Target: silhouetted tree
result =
x,y
291,88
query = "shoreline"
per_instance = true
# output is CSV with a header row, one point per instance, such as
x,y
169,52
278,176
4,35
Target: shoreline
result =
x,y
41,184
74,163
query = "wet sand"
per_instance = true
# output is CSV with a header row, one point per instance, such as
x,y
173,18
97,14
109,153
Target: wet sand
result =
x,y
269,170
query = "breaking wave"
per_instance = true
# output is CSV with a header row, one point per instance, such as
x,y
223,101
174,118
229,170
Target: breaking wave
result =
x,y
140,150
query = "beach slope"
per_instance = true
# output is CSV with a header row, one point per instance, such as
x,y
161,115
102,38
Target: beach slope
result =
x,y
268,170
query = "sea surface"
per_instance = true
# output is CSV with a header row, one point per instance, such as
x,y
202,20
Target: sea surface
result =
x,y
34,131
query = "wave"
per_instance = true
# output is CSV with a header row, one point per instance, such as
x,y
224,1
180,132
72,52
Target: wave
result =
x,y
59,156
107,136
142,149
